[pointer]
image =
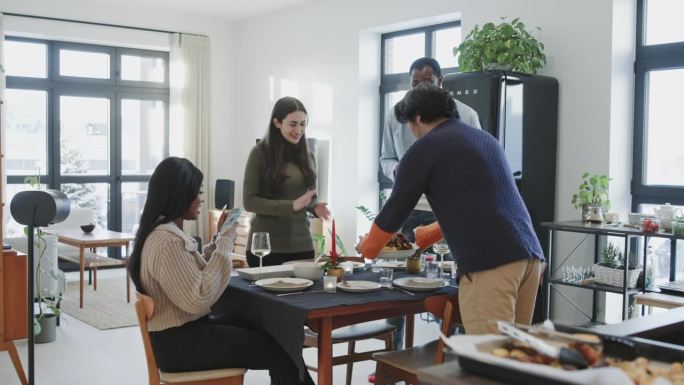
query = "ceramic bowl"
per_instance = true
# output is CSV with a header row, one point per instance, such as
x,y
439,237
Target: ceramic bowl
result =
x,y
88,228
307,270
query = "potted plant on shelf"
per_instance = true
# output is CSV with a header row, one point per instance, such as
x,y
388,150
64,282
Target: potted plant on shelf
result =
x,y
612,268
508,46
592,197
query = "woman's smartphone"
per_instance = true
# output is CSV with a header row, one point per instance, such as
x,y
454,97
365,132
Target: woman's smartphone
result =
x,y
231,220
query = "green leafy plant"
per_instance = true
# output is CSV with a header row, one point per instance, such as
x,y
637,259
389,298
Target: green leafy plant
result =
x,y
507,45
592,190
613,257
370,215
46,300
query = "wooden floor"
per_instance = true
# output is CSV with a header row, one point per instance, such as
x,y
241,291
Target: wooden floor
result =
x,y
84,355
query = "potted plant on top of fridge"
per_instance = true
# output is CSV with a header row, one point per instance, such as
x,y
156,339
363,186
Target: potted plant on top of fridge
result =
x,y
507,46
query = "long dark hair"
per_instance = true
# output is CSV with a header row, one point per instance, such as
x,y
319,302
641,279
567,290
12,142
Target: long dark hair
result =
x,y
174,185
277,151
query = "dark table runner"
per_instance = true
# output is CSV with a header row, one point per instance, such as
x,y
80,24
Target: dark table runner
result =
x,y
284,317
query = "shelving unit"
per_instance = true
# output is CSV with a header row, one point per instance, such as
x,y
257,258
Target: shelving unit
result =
x,y
599,231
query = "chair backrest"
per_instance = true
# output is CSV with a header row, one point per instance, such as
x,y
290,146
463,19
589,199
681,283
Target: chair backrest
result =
x,y
445,308
144,308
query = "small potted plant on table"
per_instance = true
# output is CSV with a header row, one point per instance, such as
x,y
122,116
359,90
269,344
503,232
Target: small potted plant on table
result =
x,y
332,265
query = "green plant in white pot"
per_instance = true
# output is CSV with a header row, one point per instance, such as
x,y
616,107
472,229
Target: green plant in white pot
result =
x,y
505,45
592,197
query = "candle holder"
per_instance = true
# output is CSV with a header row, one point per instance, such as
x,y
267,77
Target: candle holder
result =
x,y
329,283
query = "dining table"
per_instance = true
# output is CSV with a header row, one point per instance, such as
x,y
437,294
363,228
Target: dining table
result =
x,y
284,317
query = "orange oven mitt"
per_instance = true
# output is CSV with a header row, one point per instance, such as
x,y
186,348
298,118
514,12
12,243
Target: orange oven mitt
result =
x,y
428,235
376,239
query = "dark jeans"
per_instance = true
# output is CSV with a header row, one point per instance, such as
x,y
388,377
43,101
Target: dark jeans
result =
x,y
207,344
278,258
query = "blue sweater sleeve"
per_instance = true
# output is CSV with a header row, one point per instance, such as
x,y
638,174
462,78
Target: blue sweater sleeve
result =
x,y
411,182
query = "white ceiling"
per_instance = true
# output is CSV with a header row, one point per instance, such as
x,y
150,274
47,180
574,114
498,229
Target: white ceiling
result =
x,y
229,9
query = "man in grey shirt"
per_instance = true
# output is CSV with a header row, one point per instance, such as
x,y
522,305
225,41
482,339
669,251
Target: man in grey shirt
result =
x,y
397,137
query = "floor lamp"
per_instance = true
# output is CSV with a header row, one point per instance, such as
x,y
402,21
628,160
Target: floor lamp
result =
x,y
36,208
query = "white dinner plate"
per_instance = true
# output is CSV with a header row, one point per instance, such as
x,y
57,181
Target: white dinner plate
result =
x,y
284,285
397,254
419,283
254,273
358,286
356,266
391,264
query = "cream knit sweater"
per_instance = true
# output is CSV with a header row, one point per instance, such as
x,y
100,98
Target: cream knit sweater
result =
x,y
179,279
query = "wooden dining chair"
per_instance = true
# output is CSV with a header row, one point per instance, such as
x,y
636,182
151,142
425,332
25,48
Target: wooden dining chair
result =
x,y
403,365
351,334
379,330
144,307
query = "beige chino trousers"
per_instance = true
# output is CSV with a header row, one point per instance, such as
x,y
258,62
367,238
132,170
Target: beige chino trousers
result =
x,y
506,293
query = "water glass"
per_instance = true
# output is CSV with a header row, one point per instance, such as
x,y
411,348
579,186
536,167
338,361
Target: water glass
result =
x,y
386,277
431,269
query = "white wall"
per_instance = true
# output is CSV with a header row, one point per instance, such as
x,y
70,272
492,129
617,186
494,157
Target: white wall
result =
x,y
221,34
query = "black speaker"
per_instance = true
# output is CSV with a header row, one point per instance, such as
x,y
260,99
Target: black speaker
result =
x,y
224,194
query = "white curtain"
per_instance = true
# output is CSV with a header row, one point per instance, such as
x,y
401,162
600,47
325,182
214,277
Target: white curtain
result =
x,y
190,113
3,184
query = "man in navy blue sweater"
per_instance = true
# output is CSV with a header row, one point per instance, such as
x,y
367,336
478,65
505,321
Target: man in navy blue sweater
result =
x,y
464,174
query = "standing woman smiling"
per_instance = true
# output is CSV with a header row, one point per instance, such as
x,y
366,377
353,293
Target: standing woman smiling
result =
x,y
279,186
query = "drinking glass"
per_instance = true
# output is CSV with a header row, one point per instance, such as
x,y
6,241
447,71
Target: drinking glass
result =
x,y
442,248
431,269
261,247
386,277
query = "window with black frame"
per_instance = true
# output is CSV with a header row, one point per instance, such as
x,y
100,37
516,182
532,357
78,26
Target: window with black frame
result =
x,y
398,50
658,169
89,120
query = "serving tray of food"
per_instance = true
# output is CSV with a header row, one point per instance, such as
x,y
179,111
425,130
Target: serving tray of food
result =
x,y
610,360
398,247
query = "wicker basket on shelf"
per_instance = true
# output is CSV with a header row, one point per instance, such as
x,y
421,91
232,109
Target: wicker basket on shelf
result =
x,y
615,277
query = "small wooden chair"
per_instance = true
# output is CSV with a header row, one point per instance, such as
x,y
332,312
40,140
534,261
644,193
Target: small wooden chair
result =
x,y
144,307
350,334
403,365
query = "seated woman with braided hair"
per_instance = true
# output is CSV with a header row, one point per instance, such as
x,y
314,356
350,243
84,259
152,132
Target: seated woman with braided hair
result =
x,y
184,284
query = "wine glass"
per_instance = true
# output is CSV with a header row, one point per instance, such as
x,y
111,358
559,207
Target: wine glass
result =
x,y
261,247
442,248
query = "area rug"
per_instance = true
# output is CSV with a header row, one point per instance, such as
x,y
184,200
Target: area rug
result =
x,y
104,308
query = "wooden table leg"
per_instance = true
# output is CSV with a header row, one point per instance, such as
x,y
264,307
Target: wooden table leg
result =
x,y
81,266
94,278
14,356
128,281
325,352
408,338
